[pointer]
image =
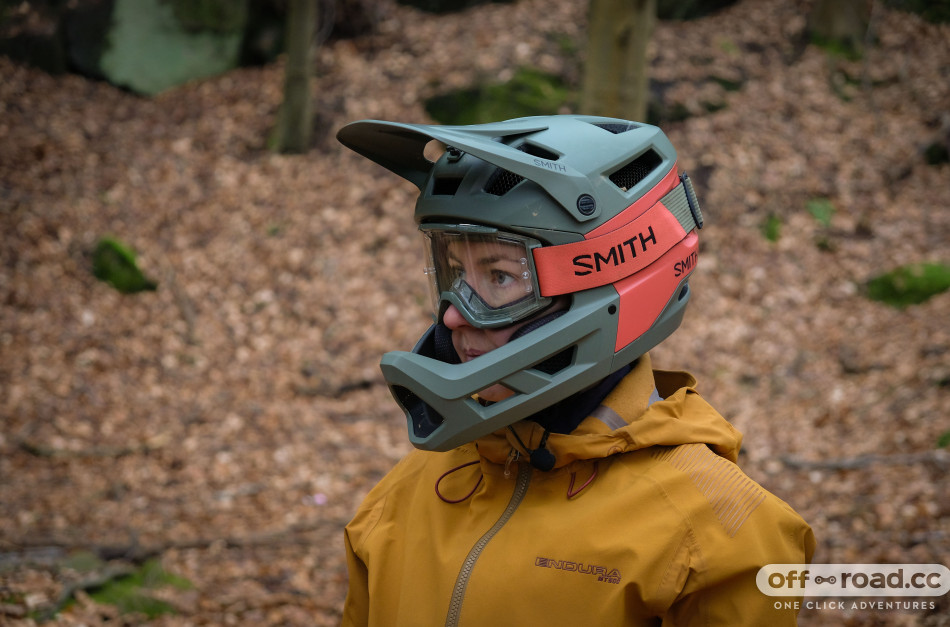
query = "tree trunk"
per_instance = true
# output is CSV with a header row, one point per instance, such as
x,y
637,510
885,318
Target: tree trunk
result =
x,y
616,76
294,128
840,24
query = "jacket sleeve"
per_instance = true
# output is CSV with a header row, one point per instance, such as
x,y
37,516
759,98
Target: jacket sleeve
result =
x,y
720,584
356,606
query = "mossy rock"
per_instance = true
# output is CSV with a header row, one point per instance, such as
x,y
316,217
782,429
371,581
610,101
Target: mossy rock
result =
x,y
448,6
529,92
689,9
937,153
155,45
220,16
934,11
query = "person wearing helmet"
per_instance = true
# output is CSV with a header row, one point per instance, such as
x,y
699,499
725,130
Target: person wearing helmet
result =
x,y
559,479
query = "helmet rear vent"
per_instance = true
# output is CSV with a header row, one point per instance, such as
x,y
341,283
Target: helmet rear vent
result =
x,y
502,181
617,127
635,171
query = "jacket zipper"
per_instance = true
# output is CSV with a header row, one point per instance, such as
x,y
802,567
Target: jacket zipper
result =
x,y
458,594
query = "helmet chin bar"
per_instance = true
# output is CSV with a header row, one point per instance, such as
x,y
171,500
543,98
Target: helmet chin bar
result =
x,y
438,398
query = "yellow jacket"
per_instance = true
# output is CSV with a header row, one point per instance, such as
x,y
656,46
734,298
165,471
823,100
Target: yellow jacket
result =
x,y
645,516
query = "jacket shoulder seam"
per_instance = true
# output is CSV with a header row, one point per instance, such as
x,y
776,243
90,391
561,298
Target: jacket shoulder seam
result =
x,y
731,494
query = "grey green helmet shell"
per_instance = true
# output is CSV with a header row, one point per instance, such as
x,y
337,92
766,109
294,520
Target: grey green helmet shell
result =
x,y
566,160
552,178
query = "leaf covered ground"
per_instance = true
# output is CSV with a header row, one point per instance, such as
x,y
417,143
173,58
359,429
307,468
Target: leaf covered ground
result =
x,y
229,422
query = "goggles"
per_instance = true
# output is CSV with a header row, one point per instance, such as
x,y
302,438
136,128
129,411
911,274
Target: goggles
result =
x,y
487,274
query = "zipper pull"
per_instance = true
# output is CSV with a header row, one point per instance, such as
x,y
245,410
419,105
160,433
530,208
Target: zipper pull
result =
x,y
512,457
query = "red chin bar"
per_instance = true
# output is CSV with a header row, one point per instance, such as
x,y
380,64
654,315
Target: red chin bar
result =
x,y
646,251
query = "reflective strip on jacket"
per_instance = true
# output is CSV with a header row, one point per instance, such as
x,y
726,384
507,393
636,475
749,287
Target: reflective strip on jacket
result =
x,y
645,520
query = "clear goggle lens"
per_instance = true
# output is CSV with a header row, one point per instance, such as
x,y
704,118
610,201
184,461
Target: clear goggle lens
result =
x,y
487,274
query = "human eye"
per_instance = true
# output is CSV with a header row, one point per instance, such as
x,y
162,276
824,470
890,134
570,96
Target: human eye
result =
x,y
455,272
502,279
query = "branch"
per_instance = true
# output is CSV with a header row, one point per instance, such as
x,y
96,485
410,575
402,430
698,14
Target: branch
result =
x,y
939,457
138,553
185,306
325,388
41,450
110,573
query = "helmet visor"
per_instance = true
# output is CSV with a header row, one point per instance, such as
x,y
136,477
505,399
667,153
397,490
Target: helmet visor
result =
x,y
488,275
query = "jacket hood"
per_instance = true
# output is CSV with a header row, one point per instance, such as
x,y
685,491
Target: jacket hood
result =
x,y
627,421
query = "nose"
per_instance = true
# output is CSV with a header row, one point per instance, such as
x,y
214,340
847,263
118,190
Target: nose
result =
x,y
453,318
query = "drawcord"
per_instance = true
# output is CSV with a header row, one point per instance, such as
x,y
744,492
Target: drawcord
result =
x,y
571,493
544,438
449,472
513,456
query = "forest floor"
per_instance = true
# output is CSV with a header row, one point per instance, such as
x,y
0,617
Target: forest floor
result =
x,y
229,422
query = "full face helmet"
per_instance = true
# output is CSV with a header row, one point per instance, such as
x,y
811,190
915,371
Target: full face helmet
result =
x,y
586,209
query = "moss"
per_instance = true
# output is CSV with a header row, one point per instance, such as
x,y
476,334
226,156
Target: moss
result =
x,y
909,285
838,48
114,263
529,92
772,228
822,210
689,9
661,114
934,11
937,153
220,16
127,593
448,6
727,83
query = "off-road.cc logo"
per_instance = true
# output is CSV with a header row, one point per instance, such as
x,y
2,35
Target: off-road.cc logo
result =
x,y
607,575
851,580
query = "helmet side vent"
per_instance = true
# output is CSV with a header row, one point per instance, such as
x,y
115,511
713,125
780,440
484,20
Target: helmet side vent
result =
x,y
635,171
501,182
446,186
617,127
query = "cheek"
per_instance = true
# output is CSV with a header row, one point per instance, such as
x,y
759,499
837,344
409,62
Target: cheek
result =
x,y
501,337
457,341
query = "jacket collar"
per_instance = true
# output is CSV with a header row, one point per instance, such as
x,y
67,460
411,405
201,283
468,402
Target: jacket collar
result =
x,y
626,421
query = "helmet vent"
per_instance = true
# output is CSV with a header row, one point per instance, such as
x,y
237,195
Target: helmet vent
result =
x,y
424,419
538,151
502,181
446,186
617,127
629,175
